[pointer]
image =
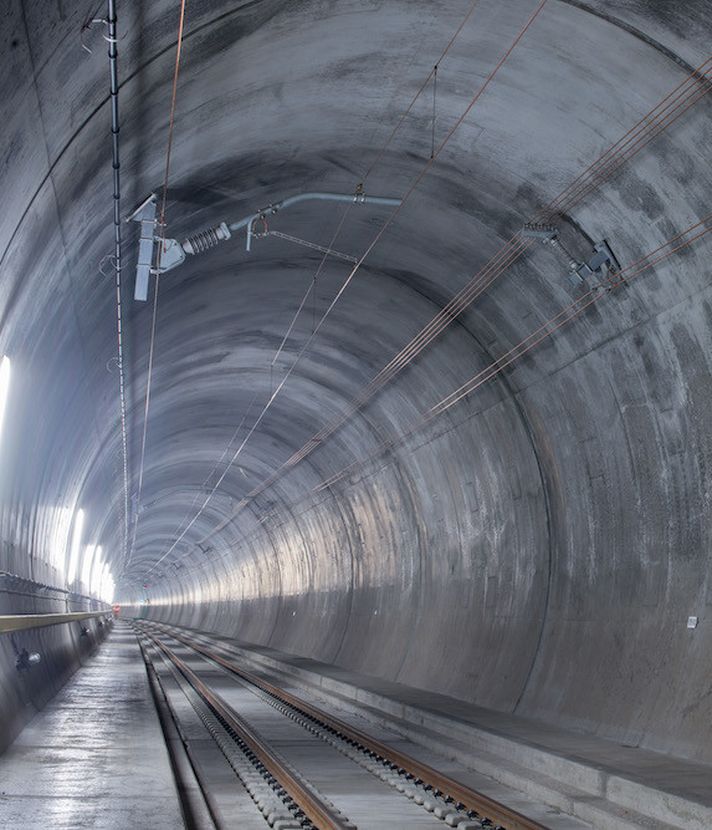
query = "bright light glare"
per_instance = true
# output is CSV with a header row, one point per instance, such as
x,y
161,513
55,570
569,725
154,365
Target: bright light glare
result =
x,y
101,581
106,585
96,573
90,551
108,591
76,544
60,538
4,386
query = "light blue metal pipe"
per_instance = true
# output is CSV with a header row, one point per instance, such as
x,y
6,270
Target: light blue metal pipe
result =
x,y
207,239
249,221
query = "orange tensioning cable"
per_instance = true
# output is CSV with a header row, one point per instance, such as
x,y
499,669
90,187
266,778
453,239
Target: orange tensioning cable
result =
x,y
161,248
657,120
379,234
546,330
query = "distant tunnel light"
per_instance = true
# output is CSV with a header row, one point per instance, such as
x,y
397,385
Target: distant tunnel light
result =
x,y
76,544
96,572
89,553
60,538
4,386
106,586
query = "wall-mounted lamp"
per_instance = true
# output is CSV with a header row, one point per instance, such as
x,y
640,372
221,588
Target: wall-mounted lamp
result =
x,y
27,659
4,385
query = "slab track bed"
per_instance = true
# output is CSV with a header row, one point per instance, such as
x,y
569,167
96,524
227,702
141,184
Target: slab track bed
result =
x,y
400,790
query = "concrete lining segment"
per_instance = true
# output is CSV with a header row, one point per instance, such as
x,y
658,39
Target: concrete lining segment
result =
x,y
557,583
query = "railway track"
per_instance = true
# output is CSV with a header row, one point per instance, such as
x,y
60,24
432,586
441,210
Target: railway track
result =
x,y
257,726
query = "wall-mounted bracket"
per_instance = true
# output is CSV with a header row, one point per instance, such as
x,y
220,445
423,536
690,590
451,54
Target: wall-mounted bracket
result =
x,y
544,233
174,252
145,213
602,261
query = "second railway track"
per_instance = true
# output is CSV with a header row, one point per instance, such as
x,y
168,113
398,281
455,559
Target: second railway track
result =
x,y
306,768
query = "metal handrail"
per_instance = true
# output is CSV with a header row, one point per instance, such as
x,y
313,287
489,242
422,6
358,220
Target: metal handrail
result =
x,y
23,622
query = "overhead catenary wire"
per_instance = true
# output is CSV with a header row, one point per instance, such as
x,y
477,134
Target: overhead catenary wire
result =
x,y
646,129
566,315
312,284
390,219
546,330
406,112
220,460
318,271
381,152
666,112
154,311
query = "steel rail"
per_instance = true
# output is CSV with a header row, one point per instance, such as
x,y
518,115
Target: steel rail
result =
x,y
24,622
485,806
180,752
320,815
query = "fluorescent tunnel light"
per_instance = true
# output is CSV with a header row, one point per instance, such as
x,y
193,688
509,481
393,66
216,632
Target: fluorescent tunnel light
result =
x,y
76,543
90,551
4,386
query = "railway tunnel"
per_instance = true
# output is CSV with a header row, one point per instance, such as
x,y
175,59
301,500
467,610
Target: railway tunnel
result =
x,y
355,360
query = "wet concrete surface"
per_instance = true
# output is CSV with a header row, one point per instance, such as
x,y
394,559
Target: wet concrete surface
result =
x,y
536,550
95,756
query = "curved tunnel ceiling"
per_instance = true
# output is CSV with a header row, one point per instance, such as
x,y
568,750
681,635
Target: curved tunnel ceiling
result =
x,y
551,527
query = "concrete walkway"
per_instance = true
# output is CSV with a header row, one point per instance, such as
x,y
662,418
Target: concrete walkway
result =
x,y
95,757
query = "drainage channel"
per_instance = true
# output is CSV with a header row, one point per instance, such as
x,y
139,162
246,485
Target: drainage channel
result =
x,y
444,801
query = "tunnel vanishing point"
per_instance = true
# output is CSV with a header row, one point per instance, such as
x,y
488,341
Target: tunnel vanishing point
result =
x,y
356,414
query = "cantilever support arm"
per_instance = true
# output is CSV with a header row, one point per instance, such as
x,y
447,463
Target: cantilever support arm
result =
x,y
358,198
174,252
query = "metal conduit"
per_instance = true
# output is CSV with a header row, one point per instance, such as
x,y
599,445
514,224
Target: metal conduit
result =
x,y
115,164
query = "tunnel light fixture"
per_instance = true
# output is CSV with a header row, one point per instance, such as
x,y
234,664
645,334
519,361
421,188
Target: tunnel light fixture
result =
x,y
96,571
107,585
102,580
4,386
60,538
76,544
87,563
25,659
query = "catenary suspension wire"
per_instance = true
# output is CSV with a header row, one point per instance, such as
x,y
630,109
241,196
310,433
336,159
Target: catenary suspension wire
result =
x,y
379,156
392,216
219,461
507,255
406,111
566,315
660,117
546,330
154,313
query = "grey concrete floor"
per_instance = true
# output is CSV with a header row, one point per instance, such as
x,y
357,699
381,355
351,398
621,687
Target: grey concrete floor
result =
x,y
95,757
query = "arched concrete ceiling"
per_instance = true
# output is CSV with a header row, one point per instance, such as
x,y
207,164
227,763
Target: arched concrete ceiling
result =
x,y
538,547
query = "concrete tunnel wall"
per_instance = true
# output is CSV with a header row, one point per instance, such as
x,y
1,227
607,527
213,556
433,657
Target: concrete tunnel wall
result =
x,y
538,548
